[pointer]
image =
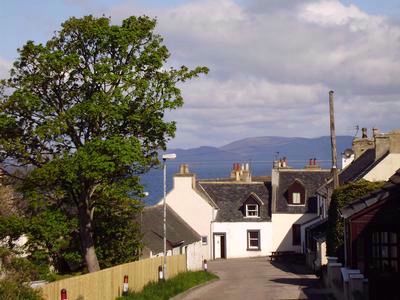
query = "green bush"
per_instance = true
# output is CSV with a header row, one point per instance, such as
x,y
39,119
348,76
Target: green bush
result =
x,y
13,290
169,288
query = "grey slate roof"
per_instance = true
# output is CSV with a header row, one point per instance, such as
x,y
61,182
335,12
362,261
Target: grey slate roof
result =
x,y
390,189
355,171
311,179
231,196
177,229
360,166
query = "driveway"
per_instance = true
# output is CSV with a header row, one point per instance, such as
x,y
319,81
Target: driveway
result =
x,y
257,278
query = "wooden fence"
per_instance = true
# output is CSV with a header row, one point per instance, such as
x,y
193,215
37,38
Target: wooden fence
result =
x,y
107,284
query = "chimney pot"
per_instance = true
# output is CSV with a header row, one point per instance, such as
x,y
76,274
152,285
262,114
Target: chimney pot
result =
x,y
364,133
375,132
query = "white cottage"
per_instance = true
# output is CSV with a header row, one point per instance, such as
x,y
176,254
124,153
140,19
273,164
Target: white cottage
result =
x,y
231,215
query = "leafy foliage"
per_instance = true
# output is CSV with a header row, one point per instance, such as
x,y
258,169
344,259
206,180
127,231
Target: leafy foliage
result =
x,y
117,232
171,287
85,112
16,272
340,198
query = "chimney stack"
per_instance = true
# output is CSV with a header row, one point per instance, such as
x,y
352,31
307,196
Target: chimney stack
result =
x,y
184,169
312,164
241,172
364,143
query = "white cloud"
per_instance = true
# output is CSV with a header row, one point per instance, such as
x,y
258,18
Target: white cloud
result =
x,y
272,64
332,12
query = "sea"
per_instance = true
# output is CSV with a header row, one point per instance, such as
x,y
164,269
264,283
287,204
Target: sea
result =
x,y
153,180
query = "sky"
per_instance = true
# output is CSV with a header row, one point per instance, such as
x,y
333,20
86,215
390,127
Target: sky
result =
x,y
272,62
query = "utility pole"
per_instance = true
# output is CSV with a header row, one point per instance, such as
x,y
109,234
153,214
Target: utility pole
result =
x,y
333,142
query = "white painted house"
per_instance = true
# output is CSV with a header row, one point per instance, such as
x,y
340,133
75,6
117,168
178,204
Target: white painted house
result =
x,y
242,226
232,216
188,200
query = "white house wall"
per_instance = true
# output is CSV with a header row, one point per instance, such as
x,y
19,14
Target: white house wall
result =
x,y
191,207
236,237
195,255
385,169
282,230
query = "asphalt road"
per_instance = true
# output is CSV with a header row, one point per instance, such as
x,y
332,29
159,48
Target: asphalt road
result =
x,y
257,278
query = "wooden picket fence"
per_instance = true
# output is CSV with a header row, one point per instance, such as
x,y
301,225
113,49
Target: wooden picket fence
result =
x,y
107,284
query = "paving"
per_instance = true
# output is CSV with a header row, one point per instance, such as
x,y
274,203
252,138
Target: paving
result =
x,y
258,278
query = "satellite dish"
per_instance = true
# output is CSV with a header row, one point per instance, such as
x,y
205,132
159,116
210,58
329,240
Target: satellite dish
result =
x,y
348,153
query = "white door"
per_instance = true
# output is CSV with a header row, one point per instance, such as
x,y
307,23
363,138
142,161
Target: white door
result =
x,y
217,246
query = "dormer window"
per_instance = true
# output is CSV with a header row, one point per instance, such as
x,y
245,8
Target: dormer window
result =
x,y
252,210
252,206
296,194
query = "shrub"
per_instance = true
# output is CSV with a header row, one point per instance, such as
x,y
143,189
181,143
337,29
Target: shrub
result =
x,y
169,288
14,290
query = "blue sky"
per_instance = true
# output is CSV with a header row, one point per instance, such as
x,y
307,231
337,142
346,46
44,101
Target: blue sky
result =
x,y
272,62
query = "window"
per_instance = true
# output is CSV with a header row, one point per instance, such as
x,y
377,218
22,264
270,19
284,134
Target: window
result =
x,y
253,240
204,240
252,210
296,198
296,193
296,232
385,256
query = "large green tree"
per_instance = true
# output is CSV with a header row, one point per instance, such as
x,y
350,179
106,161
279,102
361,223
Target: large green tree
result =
x,y
85,114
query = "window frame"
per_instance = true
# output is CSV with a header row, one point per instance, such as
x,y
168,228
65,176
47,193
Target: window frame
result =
x,y
298,197
257,210
204,240
384,260
249,239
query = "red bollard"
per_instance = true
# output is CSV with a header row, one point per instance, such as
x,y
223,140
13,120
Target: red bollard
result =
x,y
125,287
205,265
64,294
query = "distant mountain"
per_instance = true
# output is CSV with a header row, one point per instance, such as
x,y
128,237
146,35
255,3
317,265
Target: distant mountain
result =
x,y
266,148
205,153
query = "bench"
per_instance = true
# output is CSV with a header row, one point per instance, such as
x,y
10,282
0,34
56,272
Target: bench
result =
x,y
281,255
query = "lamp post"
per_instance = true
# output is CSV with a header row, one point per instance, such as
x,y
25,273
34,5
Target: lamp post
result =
x,y
165,157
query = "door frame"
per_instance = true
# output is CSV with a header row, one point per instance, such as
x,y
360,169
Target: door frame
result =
x,y
220,234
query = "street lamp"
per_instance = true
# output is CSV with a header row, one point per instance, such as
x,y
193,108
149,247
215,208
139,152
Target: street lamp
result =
x,y
165,157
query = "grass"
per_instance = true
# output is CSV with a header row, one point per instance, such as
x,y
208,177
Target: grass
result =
x,y
172,287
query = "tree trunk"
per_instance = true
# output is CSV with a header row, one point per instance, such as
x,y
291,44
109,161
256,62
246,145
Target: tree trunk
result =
x,y
86,234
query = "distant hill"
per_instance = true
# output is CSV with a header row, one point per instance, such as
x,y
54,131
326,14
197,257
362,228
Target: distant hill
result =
x,y
266,149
